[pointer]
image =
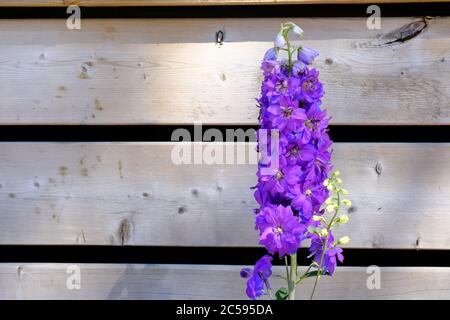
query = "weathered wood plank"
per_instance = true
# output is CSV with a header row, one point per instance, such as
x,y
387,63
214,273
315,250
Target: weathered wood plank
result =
x,y
170,71
206,282
113,3
132,194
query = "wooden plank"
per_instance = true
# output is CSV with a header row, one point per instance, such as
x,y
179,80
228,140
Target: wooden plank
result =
x,y
132,194
170,71
114,3
202,282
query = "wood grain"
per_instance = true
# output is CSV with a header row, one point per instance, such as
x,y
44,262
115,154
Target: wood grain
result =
x,y
170,71
132,194
113,3
206,282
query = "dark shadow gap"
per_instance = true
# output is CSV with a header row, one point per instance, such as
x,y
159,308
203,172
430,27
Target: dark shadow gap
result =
x,y
209,255
244,11
143,133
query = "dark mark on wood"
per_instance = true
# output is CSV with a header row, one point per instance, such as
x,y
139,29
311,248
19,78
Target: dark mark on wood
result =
x,y
120,169
182,210
63,171
12,195
417,244
400,35
124,231
351,209
145,195
328,61
378,168
84,172
19,270
194,192
98,105
37,185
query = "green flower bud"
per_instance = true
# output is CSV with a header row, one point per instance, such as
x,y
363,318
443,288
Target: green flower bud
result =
x,y
324,232
326,182
344,191
344,240
338,180
330,187
329,201
343,219
330,208
347,202
337,173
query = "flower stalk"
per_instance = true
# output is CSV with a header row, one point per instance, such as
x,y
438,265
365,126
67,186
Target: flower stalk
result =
x,y
296,188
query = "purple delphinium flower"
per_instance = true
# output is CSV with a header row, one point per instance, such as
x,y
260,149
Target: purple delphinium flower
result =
x,y
331,255
306,55
280,231
312,89
308,198
258,277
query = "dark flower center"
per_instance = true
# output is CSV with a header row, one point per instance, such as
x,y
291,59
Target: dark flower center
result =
x,y
293,151
308,86
287,112
278,230
279,175
282,85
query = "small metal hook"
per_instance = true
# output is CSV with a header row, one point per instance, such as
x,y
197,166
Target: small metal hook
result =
x,y
220,35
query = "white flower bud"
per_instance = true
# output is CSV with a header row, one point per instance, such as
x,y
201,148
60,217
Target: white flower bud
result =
x,y
326,182
343,219
324,232
280,41
344,191
347,202
330,187
297,30
330,208
344,240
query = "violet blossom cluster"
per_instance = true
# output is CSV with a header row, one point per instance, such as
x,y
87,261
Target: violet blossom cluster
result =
x,y
292,178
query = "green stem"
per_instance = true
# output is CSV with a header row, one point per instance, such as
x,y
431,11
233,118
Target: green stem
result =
x,y
267,289
287,268
291,282
303,275
325,246
289,57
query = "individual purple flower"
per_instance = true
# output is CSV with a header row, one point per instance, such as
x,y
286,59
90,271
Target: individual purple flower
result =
x,y
271,54
286,114
280,41
331,255
280,231
312,89
308,198
258,277
281,179
306,55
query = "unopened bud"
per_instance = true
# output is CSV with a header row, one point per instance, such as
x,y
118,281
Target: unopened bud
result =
x,y
343,218
344,240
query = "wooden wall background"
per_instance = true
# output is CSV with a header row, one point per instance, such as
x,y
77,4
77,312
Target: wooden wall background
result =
x,y
170,72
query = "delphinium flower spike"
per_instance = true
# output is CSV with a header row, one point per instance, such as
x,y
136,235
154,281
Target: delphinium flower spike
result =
x,y
295,180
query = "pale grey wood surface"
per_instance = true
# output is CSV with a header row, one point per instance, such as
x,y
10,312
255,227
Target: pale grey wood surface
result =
x,y
204,282
113,3
170,71
132,194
